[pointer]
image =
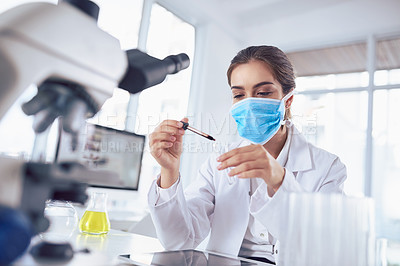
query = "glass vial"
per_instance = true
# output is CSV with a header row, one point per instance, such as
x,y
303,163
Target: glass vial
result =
x,y
95,219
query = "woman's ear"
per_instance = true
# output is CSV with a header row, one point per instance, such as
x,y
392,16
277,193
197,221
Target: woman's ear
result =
x,y
289,102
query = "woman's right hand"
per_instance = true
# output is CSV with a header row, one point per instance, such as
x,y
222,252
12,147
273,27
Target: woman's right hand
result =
x,y
166,147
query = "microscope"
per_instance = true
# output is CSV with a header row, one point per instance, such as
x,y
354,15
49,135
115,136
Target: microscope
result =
x,y
75,66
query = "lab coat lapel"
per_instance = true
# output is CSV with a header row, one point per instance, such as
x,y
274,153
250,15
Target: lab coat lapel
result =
x,y
299,158
231,217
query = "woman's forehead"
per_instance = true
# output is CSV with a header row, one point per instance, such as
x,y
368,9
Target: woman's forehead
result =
x,y
252,73
253,69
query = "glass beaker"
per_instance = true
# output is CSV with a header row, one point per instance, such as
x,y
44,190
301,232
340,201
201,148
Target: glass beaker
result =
x,y
63,220
95,219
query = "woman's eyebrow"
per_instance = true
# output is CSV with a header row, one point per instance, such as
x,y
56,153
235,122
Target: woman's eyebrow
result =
x,y
262,83
255,86
237,87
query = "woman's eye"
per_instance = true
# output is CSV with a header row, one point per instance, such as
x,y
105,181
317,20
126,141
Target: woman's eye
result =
x,y
262,93
237,96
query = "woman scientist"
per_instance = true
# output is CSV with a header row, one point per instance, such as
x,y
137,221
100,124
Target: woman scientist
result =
x,y
272,158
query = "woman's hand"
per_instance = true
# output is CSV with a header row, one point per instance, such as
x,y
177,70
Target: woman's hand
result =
x,y
166,147
253,161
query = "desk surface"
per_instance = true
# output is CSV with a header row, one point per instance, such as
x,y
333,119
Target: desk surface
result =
x,y
104,249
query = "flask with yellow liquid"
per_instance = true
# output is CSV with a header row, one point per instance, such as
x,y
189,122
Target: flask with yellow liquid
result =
x,y
95,219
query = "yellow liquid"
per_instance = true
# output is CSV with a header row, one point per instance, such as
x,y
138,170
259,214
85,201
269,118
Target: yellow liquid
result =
x,y
96,223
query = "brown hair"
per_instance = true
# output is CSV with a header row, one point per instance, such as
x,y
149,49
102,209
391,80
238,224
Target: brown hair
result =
x,y
278,62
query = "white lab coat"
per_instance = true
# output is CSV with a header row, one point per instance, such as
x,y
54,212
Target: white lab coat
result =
x,y
210,203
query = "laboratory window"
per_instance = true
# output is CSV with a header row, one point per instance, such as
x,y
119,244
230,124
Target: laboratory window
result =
x,y
348,103
167,34
386,158
121,19
159,32
337,123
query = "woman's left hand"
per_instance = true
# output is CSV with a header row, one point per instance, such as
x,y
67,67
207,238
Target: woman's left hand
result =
x,y
253,161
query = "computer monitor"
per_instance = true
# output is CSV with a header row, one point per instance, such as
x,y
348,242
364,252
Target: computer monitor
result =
x,y
106,149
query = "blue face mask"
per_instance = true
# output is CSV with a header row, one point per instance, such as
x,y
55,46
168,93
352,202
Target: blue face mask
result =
x,y
258,119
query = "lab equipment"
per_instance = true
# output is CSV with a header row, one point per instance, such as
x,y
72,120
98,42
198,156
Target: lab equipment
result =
x,y
106,149
48,252
95,219
327,229
198,132
75,66
63,220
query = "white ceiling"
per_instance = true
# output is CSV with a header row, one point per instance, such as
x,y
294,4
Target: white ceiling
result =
x,y
290,24
233,13
293,24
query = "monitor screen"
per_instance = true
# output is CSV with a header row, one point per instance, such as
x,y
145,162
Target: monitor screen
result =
x,y
107,150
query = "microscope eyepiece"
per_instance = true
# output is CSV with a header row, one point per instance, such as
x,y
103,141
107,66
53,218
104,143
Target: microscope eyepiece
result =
x,y
177,63
86,6
145,71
